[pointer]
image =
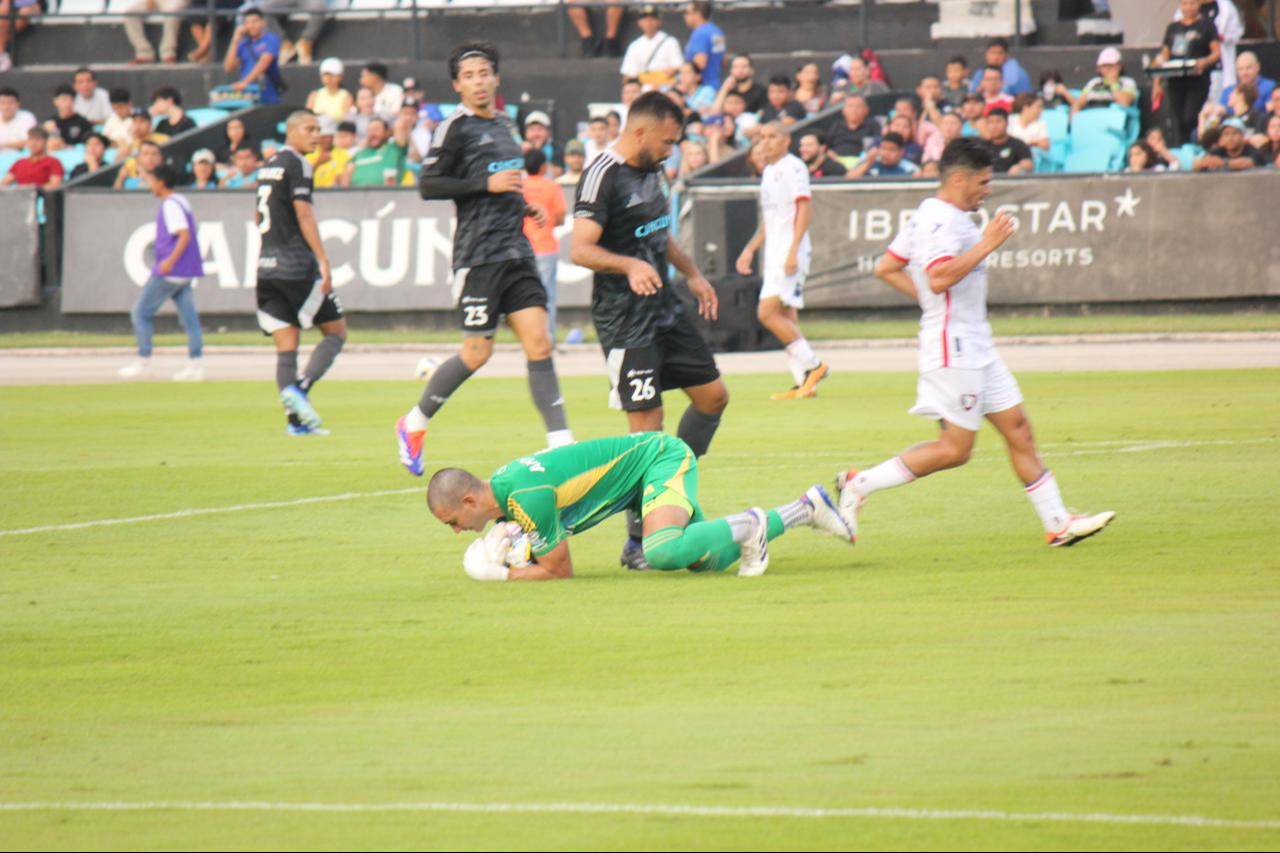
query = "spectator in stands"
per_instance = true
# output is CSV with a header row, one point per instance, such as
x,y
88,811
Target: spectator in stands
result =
x,y
1268,144
1013,157
693,156
254,53
1225,18
757,159
706,45
20,12
853,129
133,173
269,149
537,137
923,132
809,91
119,125
95,152
1239,105
721,137
971,110
204,170
631,90
956,85
886,160
387,97
237,138
741,79
1249,72
912,151
1155,141
140,132
813,151
304,48
66,127
1014,78
166,105
613,126
597,137
1232,152
380,162
951,127
331,99
698,97
1109,87
853,77
1027,121
992,89
779,105
38,168
362,113
1191,37
170,28
541,193
1054,90
1143,159
655,57
244,172
14,121
91,100
575,160
328,161
929,91
1264,118
592,45
745,124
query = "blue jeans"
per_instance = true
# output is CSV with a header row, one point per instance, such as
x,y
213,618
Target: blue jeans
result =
x,y
547,272
154,293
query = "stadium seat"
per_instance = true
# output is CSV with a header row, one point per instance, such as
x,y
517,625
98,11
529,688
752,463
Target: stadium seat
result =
x,y
203,116
1101,156
7,159
70,157
111,155
1090,124
1187,155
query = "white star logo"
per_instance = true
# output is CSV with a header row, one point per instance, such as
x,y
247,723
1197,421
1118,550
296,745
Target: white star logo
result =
x,y
1126,204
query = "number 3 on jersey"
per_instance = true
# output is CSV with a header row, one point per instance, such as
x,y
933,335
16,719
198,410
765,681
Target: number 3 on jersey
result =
x,y
642,389
477,315
264,210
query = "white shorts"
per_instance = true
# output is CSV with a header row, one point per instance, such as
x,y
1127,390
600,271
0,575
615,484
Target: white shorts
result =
x,y
788,288
963,396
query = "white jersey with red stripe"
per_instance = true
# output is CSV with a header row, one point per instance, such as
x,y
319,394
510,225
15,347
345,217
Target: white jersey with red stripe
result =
x,y
782,184
954,331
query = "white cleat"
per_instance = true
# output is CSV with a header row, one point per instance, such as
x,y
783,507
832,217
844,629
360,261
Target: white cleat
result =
x,y
1080,527
755,551
826,517
850,501
139,369
193,372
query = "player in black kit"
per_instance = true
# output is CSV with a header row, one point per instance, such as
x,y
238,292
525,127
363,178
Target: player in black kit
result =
x,y
621,229
295,287
476,160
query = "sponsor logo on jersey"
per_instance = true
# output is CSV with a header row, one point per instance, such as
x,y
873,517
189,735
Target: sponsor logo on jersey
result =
x,y
662,223
504,165
271,173
486,139
968,401
631,374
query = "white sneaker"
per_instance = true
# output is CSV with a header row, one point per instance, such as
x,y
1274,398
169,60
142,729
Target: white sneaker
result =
x,y
755,551
1080,527
826,517
193,372
139,369
850,501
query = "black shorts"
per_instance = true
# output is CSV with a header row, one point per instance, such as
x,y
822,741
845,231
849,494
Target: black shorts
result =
x,y
487,292
677,357
283,303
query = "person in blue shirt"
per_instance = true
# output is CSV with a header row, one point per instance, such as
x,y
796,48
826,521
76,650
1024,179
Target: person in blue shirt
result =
x,y
886,160
706,42
254,53
1016,80
1249,70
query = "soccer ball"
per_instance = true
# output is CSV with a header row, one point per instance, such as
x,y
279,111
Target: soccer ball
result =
x,y
426,366
521,551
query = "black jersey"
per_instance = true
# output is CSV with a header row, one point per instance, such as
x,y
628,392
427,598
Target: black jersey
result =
x,y
285,255
465,150
633,207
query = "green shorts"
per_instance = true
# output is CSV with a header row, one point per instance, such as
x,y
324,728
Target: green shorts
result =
x,y
672,480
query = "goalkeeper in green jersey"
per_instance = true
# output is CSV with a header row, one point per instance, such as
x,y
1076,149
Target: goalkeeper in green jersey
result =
x,y
543,499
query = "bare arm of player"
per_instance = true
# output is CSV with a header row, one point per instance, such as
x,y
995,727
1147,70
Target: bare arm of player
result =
x,y
586,251
947,273
311,233
743,266
804,215
554,565
708,302
892,271
184,238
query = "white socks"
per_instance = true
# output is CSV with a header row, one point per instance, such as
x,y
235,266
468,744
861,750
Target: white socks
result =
x,y
801,359
886,475
415,421
1047,500
559,438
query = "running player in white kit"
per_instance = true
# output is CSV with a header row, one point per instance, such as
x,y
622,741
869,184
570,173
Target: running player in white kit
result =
x,y
942,255
786,208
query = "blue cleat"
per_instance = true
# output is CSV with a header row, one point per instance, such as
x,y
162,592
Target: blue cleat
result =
x,y
633,556
303,429
296,402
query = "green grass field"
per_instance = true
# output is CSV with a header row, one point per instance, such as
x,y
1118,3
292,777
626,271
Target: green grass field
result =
x,y
335,653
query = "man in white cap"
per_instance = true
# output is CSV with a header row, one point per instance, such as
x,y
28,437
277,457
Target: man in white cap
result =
x,y
655,57
1110,86
331,100
537,137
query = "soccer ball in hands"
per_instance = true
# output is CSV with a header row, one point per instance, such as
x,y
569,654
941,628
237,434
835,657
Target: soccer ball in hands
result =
x,y
504,547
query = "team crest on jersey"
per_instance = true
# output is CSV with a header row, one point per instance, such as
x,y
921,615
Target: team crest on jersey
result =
x,y
634,200
485,139
968,401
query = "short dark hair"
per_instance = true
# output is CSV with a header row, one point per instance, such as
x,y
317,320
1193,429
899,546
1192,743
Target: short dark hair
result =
x,y
253,10
9,92
972,97
169,94
63,89
598,120
119,96
958,60
631,81
995,68
999,112
38,132
346,127
146,142
165,174
968,153
376,68
702,7
468,49
894,137
1000,43
106,143
815,134
658,106
382,121
534,160
780,80
614,114
84,69
734,93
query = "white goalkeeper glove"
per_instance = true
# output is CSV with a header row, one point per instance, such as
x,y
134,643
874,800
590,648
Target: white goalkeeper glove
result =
x,y
480,564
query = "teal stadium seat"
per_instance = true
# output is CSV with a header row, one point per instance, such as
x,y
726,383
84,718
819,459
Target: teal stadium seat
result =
x,y
7,159
1187,155
1058,120
1097,141
204,116
70,158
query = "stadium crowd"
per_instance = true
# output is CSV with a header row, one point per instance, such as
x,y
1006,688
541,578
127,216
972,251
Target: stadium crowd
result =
x,y
852,121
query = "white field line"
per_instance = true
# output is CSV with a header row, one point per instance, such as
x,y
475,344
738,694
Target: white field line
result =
x,y
1107,448
659,809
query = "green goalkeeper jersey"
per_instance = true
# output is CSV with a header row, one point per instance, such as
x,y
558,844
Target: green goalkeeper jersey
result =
x,y
556,493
